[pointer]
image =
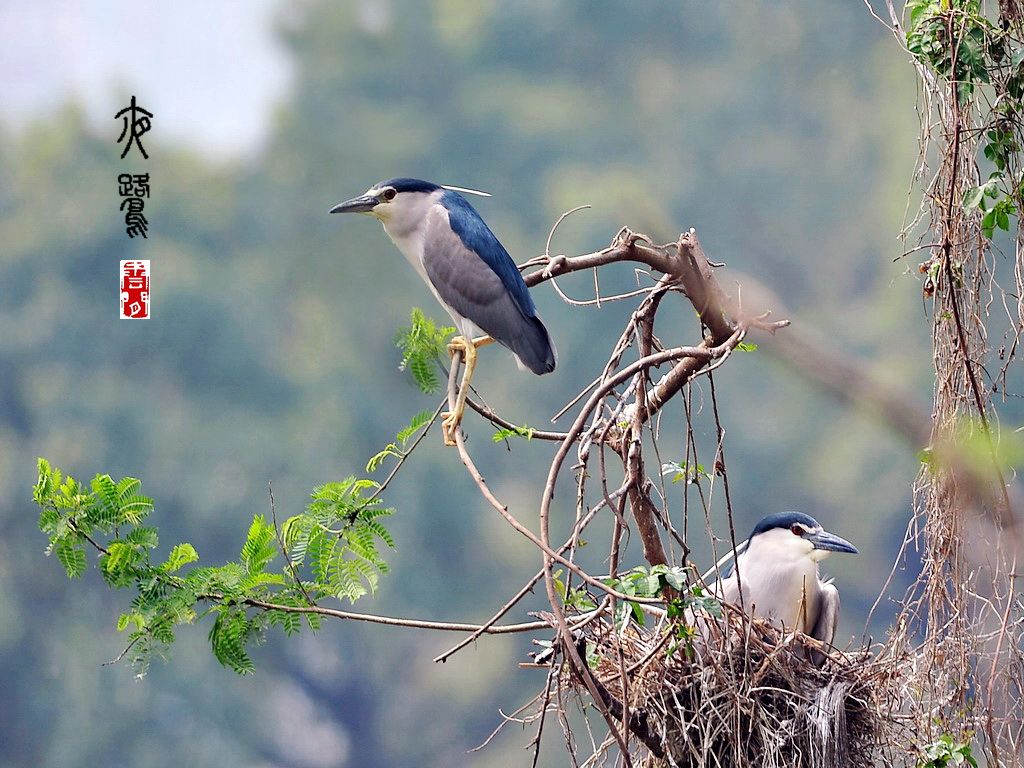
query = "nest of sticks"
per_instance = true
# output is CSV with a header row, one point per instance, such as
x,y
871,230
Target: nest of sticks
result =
x,y
741,694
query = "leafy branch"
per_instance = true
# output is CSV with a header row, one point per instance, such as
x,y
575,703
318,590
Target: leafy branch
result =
x,y
337,541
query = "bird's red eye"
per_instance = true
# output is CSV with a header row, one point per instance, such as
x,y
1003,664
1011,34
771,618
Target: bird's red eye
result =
x,y
797,529
389,194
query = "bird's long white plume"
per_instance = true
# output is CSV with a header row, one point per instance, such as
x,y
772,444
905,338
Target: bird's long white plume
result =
x,y
467,191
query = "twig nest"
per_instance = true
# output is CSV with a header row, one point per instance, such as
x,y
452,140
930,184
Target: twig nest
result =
x,y
740,693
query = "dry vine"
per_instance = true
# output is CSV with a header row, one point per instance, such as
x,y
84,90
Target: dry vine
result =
x,y
963,620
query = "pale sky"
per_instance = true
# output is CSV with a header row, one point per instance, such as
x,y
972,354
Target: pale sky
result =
x,y
210,70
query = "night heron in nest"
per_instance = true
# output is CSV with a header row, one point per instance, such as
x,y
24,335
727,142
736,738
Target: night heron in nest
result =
x,y
468,271
778,573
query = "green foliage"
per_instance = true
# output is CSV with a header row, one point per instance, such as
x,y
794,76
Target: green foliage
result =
x,y
259,548
974,41
644,582
1000,147
978,446
515,431
996,214
181,555
657,581
230,634
424,345
577,598
691,473
946,751
336,540
984,55
399,448
693,600
746,346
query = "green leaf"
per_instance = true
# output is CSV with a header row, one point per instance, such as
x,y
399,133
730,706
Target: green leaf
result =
x,y
1002,219
71,555
691,473
988,224
48,480
974,197
181,555
418,422
676,578
390,450
143,537
134,618
259,548
653,585
746,346
503,433
228,638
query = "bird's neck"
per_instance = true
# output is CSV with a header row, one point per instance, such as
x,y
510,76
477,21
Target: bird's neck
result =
x,y
407,226
405,223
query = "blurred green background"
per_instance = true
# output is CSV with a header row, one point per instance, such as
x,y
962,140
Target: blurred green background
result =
x,y
784,132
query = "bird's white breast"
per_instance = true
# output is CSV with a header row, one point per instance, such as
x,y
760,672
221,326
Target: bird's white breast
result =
x,y
406,224
779,584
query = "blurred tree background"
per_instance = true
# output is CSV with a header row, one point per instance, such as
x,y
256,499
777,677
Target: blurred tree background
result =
x,y
784,132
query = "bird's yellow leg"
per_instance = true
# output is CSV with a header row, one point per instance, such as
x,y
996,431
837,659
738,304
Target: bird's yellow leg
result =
x,y
453,418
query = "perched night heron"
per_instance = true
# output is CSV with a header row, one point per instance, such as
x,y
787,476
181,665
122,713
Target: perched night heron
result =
x,y
778,572
468,271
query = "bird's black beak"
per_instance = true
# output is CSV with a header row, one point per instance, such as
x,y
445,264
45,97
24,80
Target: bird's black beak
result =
x,y
830,542
361,204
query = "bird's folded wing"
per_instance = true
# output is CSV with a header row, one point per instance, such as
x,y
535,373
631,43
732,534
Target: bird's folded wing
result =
x,y
467,283
454,215
828,614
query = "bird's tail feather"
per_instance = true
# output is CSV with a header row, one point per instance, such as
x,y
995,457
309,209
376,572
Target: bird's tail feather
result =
x,y
534,348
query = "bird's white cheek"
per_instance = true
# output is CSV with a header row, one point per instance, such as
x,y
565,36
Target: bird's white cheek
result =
x,y
817,555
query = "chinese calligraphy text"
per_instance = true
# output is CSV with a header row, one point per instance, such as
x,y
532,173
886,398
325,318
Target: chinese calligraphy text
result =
x,y
133,188
136,123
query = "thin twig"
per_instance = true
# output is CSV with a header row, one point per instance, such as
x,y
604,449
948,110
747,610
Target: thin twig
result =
x,y
284,550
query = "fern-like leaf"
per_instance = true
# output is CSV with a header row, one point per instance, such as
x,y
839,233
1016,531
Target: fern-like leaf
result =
x,y
71,555
423,344
259,548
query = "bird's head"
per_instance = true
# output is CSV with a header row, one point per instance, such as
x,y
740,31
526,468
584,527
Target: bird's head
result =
x,y
795,536
392,199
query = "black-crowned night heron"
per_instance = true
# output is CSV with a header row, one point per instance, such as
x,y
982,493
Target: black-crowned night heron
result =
x,y
468,271
778,572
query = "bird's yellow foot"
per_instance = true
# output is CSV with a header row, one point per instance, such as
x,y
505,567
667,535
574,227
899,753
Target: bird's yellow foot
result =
x,y
449,426
459,344
453,418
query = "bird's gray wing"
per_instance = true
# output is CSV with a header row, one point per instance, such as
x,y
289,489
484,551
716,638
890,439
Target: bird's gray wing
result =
x,y
463,280
467,284
828,613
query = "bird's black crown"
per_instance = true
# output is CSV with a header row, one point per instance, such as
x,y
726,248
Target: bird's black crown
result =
x,y
784,520
409,185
